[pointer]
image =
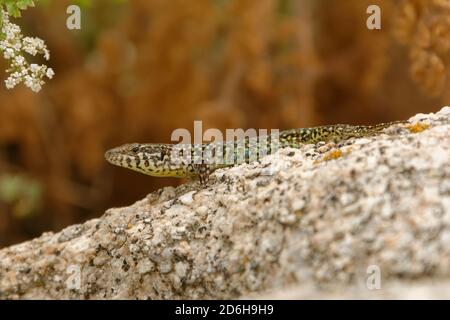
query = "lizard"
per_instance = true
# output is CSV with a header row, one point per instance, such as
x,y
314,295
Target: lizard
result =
x,y
190,160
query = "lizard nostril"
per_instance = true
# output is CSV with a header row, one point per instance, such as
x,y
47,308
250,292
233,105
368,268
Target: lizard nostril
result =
x,y
108,155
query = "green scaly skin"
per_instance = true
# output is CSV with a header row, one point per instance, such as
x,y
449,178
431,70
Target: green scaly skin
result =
x,y
186,161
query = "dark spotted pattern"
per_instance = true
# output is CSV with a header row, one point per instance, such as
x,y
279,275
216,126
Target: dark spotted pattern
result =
x,y
200,160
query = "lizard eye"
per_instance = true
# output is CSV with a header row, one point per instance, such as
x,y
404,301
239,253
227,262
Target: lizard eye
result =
x,y
134,148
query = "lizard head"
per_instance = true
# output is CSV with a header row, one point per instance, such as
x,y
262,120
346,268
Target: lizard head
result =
x,y
150,159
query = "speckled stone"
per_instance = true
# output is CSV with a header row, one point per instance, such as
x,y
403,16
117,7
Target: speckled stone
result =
x,y
296,218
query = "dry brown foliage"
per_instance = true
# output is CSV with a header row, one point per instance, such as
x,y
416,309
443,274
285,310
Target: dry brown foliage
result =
x,y
138,71
424,26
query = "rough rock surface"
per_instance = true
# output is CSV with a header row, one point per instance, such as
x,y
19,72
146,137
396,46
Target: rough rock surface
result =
x,y
319,217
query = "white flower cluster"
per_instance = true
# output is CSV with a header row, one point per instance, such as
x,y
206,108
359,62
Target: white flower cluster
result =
x,y
13,45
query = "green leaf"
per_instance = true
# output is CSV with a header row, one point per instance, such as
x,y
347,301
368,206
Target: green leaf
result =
x,y
13,7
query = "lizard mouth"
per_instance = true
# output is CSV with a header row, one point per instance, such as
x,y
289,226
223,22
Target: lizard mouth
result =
x,y
123,156
109,155
117,157
112,156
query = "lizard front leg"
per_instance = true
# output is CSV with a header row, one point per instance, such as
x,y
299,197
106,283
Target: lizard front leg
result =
x,y
203,171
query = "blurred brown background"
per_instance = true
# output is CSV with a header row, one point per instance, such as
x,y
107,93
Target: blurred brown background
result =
x,y
139,69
